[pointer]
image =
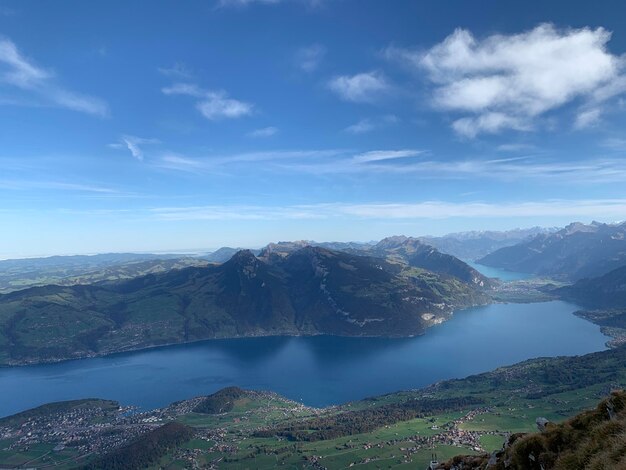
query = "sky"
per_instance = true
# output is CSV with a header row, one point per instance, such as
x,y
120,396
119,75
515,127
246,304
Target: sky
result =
x,y
185,126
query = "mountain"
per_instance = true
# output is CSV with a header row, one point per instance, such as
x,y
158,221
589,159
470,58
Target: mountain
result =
x,y
577,251
83,269
309,291
421,255
477,244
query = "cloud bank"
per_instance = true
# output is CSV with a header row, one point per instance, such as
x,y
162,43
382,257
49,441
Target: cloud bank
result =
x,y
506,82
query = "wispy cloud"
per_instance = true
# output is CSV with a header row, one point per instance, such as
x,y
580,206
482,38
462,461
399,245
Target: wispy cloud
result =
x,y
417,163
263,132
245,3
20,73
133,144
614,143
219,162
212,104
381,155
366,125
309,58
588,118
177,71
507,81
25,185
574,209
515,147
367,87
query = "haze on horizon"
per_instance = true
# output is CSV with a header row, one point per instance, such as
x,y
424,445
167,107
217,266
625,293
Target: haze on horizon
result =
x,y
168,127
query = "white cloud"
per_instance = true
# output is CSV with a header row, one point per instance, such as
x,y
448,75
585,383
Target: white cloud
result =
x,y
264,132
489,122
19,72
309,58
212,104
364,87
507,81
574,209
133,144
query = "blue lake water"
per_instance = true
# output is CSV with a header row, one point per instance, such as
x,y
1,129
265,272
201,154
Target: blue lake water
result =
x,y
318,370
501,274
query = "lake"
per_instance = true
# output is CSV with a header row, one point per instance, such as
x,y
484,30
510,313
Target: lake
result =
x,y
319,370
502,274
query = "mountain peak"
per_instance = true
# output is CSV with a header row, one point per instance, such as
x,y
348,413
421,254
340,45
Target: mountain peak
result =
x,y
243,258
399,241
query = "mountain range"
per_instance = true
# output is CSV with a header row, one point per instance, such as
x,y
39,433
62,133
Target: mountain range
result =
x,y
477,244
575,252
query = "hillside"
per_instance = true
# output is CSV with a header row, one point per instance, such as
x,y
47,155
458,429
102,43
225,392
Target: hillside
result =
x,y
578,251
593,439
604,300
607,291
236,428
310,291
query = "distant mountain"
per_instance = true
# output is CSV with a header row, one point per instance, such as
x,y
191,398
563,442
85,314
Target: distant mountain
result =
x,y
476,244
221,255
82,269
398,249
421,255
310,291
285,248
575,252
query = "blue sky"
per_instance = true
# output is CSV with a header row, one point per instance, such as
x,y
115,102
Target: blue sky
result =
x,y
162,125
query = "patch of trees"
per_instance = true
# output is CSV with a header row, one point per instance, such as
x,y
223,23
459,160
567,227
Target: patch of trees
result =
x,y
366,420
578,372
221,401
144,451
